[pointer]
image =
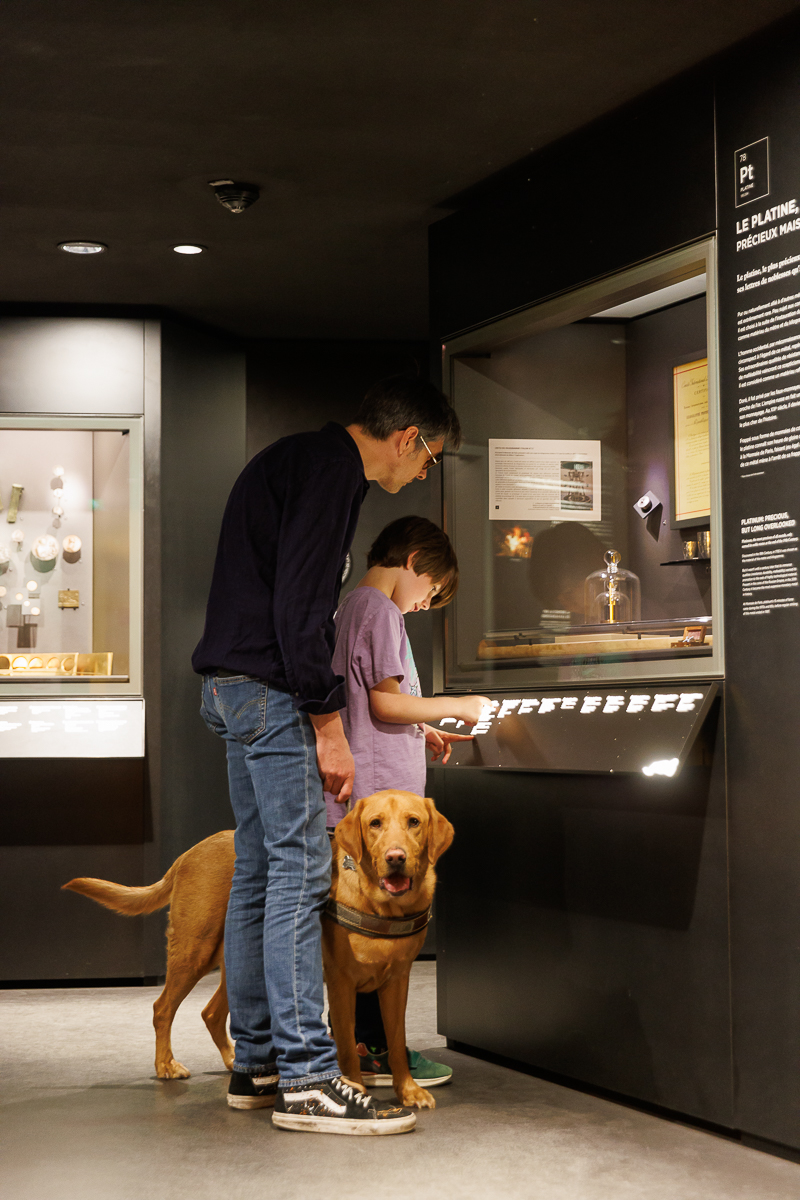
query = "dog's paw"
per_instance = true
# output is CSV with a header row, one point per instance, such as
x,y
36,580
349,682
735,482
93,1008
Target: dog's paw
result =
x,y
172,1070
414,1096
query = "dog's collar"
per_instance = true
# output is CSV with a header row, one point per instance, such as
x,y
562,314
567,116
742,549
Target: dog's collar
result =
x,y
378,927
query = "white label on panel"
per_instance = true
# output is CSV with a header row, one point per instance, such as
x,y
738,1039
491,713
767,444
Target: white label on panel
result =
x,y
537,479
71,728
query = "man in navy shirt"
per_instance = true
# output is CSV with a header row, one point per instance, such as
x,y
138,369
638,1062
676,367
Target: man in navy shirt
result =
x,y
269,690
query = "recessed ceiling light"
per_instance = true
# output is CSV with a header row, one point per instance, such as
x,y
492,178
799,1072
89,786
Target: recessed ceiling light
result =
x,y
82,247
188,249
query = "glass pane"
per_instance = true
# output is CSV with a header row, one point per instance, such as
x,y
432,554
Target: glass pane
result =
x,y
64,555
579,503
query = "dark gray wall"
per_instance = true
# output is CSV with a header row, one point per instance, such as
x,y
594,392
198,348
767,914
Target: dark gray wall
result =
x,y
203,430
656,344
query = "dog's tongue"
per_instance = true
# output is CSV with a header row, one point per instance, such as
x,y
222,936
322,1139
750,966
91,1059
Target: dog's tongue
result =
x,y
396,884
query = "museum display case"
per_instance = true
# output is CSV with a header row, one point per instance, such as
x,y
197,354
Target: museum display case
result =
x,y
583,502
70,555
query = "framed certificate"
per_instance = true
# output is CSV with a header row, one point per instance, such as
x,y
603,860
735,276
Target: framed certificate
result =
x,y
691,492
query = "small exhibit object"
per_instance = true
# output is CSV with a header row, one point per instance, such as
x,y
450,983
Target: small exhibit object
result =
x,y
69,598
704,543
13,508
646,505
32,585
45,548
690,550
693,635
18,536
692,491
612,595
4,559
13,615
71,548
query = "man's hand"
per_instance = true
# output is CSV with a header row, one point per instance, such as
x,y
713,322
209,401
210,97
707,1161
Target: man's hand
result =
x,y
437,741
334,760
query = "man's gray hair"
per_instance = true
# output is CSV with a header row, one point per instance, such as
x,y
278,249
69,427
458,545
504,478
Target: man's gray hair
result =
x,y
400,402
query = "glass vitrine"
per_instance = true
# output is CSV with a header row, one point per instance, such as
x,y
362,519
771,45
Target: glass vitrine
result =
x,y
584,500
70,555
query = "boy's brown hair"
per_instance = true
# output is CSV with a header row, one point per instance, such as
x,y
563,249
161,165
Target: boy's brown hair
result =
x,y
434,554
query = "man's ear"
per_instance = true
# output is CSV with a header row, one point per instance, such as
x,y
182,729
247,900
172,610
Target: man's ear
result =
x,y
348,833
440,832
407,439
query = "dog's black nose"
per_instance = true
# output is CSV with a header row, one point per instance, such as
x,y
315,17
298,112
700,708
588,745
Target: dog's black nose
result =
x,y
396,859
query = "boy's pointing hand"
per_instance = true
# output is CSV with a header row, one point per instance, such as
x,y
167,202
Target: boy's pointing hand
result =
x,y
439,742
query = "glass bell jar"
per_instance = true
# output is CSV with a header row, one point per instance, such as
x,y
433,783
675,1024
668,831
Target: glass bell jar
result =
x,y
612,596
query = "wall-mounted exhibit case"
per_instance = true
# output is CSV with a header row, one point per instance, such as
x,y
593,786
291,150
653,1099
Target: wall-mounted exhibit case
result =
x,y
584,501
120,439
70,555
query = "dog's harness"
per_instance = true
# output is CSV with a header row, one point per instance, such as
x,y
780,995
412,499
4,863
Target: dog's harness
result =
x,y
367,923
378,927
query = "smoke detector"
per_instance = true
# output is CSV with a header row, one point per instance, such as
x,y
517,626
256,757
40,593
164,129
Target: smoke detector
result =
x,y
236,197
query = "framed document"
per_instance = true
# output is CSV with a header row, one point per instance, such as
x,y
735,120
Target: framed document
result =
x,y
691,492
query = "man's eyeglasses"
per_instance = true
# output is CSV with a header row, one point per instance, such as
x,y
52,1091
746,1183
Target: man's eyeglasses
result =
x,y
433,461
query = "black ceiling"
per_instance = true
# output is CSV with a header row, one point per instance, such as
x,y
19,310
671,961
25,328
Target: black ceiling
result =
x,y
357,118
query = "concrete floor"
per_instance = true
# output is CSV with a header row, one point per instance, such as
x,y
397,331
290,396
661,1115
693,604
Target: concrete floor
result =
x,y
85,1119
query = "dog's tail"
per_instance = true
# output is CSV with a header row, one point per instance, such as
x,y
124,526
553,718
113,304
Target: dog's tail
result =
x,y
130,901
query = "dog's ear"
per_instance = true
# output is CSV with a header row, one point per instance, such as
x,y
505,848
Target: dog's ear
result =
x,y
440,832
348,833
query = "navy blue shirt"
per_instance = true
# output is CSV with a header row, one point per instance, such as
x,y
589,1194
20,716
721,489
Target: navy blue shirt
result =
x,y
287,528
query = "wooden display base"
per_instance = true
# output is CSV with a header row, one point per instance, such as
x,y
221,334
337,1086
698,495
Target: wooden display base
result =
x,y
60,665
583,645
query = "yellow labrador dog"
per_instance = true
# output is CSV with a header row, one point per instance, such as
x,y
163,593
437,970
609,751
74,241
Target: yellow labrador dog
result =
x,y
393,876
383,882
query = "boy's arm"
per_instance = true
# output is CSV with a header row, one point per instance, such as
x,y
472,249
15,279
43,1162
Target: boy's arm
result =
x,y
388,704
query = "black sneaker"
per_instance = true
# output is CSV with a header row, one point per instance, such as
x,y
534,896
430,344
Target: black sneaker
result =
x,y
252,1091
337,1107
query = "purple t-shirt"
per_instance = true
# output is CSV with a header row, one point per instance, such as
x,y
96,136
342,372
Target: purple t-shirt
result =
x,y
372,645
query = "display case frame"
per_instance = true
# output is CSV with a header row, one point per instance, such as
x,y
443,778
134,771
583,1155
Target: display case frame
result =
x,y
564,309
97,686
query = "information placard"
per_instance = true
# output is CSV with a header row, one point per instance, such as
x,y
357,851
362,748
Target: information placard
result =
x,y
692,459
544,479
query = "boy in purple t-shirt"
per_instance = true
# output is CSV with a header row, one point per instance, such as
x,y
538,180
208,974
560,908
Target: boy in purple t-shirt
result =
x,y
412,567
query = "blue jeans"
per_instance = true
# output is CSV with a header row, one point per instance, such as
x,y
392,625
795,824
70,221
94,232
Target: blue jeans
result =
x,y
273,953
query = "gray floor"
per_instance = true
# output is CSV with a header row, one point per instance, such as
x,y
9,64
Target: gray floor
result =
x,y
83,1117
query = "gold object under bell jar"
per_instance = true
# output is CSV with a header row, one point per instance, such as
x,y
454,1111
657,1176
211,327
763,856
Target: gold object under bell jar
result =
x,y
612,596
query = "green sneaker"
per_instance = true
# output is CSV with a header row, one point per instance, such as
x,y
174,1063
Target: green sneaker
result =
x,y
376,1073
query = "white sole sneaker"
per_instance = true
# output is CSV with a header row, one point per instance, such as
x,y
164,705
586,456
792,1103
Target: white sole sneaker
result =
x,y
386,1081
248,1102
359,1128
